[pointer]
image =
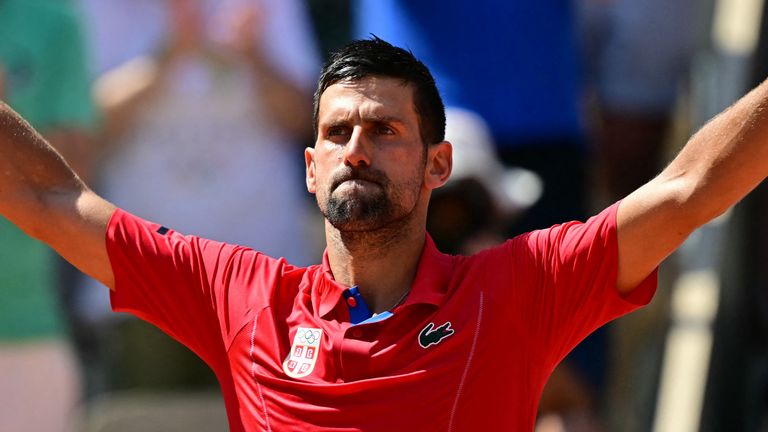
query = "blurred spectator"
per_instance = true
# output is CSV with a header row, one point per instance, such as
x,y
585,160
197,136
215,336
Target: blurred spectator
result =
x,y
205,122
467,214
43,76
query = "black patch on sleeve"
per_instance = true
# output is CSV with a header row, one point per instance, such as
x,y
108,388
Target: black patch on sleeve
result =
x,y
162,230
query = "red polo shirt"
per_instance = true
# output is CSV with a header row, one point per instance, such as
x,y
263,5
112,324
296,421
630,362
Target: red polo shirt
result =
x,y
469,349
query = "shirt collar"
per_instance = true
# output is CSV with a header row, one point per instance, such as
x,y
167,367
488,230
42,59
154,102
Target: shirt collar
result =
x,y
431,282
429,285
327,292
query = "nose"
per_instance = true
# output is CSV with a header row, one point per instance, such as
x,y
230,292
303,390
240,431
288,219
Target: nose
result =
x,y
357,150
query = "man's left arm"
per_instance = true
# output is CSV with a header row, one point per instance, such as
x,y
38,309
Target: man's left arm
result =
x,y
718,166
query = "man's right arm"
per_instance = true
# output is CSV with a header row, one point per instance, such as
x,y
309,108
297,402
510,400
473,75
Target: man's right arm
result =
x,y
41,194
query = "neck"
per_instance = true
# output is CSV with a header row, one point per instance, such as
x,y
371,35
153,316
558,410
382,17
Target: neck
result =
x,y
382,262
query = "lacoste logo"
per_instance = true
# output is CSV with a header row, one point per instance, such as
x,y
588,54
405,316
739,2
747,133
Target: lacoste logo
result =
x,y
432,336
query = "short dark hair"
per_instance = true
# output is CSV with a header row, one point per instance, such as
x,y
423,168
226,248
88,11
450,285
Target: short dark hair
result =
x,y
376,57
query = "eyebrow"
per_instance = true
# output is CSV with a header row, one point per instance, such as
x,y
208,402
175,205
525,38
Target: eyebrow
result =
x,y
376,119
382,119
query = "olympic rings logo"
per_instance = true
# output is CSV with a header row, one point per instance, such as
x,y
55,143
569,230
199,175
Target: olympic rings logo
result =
x,y
307,336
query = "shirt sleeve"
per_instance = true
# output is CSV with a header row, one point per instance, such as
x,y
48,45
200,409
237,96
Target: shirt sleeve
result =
x,y
565,283
198,291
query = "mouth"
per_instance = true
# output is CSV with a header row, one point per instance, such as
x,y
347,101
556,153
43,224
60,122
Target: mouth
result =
x,y
355,180
355,184
358,180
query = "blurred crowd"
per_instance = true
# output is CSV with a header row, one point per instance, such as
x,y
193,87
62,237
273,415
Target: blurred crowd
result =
x,y
195,113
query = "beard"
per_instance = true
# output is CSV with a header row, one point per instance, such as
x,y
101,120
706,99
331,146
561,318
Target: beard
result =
x,y
379,205
360,212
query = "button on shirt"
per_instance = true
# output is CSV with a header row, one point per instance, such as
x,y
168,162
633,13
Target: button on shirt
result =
x,y
469,349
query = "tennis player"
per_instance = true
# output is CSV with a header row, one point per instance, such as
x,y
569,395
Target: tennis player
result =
x,y
386,333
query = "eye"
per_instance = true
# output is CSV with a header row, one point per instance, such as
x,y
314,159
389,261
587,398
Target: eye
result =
x,y
335,131
384,130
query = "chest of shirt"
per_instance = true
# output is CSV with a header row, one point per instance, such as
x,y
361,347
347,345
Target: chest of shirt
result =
x,y
414,338
423,362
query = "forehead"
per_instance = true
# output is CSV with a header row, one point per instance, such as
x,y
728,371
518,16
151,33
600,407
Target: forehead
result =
x,y
369,96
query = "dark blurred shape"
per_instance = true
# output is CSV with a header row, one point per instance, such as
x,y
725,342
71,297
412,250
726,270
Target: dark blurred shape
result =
x,y
332,22
471,211
638,56
460,212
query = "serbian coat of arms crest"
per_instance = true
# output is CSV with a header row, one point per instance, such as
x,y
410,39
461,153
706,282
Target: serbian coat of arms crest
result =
x,y
304,350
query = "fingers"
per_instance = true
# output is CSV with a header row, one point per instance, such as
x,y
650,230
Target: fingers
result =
x,y
186,26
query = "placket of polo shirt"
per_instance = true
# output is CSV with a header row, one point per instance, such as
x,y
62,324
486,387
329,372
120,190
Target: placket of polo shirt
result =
x,y
354,352
353,345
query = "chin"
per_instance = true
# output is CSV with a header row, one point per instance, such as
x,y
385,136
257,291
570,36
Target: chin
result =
x,y
358,227
349,223
359,215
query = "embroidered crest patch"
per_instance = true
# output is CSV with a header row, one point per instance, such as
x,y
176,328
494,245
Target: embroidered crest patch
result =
x,y
304,351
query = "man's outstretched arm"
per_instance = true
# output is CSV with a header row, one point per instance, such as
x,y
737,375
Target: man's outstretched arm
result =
x,y
719,165
43,196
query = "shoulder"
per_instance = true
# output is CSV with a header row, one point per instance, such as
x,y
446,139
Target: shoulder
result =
x,y
551,247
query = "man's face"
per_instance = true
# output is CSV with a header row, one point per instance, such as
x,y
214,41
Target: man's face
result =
x,y
367,166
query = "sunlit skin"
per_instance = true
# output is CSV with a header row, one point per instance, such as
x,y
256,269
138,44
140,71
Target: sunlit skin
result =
x,y
373,176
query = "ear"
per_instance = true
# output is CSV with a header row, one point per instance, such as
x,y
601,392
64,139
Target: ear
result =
x,y
309,160
439,164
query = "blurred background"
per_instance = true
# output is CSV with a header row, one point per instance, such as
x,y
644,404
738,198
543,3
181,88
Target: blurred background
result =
x,y
195,113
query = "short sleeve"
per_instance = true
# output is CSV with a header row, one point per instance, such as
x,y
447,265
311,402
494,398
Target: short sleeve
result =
x,y
198,291
565,283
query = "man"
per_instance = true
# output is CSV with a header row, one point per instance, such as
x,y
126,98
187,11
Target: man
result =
x,y
387,333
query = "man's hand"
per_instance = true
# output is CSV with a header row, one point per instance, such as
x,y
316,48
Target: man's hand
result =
x,y
720,164
186,28
246,28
